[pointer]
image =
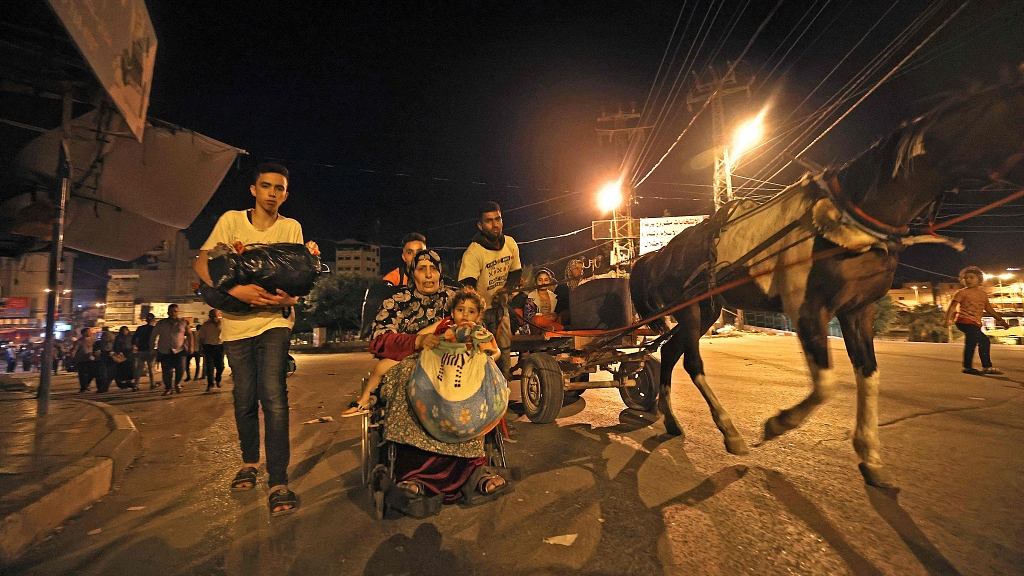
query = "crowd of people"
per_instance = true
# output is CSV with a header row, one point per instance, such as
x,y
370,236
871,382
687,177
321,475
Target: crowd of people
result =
x,y
126,358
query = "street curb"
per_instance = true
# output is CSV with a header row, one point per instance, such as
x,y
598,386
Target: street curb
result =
x,y
68,491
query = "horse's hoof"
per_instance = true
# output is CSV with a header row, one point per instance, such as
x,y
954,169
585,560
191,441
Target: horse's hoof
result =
x,y
772,429
672,429
736,446
877,476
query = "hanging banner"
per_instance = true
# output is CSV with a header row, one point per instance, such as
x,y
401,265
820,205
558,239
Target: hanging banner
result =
x,y
118,42
16,307
656,232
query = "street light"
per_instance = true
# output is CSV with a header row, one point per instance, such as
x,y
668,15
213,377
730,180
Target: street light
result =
x,y
917,299
609,198
746,135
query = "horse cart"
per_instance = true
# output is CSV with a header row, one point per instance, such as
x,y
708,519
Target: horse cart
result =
x,y
554,365
551,366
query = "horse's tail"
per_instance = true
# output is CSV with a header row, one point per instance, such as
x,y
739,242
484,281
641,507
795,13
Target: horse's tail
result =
x,y
641,290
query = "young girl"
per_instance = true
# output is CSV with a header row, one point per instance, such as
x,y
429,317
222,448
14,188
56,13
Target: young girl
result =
x,y
362,405
463,325
969,304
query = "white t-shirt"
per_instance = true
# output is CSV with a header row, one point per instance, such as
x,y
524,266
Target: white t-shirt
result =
x,y
490,267
234,226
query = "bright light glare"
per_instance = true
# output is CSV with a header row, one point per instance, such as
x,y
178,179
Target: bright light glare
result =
x,y
610,197
747,135
1005,276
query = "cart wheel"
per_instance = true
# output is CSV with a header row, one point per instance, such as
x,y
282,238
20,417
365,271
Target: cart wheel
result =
x,y
644,396
543,388
291,366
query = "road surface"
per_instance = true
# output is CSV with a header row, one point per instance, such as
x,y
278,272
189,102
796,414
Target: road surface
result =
x,y
627,498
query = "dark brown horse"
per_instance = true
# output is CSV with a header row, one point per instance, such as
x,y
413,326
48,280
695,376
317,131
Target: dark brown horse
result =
x,y
826,247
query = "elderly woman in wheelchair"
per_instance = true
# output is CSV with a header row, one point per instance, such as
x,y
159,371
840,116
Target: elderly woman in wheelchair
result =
x,y
424,439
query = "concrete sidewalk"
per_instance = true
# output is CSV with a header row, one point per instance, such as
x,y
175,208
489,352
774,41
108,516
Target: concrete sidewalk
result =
x,y
53,467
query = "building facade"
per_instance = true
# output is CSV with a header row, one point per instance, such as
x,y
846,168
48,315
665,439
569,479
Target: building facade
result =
x,y
162,276
357,257
24,287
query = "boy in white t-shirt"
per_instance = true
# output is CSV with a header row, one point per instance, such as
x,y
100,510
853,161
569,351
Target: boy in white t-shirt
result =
x,y
257,343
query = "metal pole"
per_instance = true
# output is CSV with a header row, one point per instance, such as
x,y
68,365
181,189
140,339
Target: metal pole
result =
x,y
56,250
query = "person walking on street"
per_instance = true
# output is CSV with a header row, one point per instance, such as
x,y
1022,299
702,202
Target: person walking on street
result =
x,y
103,353
213,350
82,355
969,304
169,340
123,358
12,359
142,344
197,354
411,244
491,266
190,351
257,343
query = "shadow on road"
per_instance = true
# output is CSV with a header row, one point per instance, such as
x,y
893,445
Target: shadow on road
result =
x,y
801,507
888,507
420,555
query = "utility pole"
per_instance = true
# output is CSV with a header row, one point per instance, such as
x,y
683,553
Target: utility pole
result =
x,y
617,131
713,86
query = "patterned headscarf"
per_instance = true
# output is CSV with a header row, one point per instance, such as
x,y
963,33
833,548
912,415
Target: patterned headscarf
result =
x,y
570,280
425,254
409,310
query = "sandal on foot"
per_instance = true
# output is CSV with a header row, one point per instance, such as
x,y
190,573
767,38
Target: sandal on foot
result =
x,y
355,409
245,479
485,484
991,370
410,487
282,501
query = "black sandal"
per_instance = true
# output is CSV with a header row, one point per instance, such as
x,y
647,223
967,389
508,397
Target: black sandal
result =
x,y
247,475
283,497
474,491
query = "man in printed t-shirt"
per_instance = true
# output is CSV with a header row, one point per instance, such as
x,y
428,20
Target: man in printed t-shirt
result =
x,y
489,265
257,343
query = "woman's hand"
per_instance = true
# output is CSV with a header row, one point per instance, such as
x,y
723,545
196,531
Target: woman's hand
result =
x,y
426,341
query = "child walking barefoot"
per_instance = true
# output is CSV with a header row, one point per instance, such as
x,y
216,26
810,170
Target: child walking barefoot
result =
x,y
969,304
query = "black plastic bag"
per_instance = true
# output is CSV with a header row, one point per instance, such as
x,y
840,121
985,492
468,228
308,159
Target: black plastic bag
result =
x,y
283,266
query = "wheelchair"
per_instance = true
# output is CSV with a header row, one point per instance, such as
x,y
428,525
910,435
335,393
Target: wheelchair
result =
x,y
378,459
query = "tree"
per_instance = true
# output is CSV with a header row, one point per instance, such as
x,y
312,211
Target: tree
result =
x,y
885,313
926,324
336,301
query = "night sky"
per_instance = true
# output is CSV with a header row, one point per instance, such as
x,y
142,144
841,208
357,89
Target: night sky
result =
x,y
398,116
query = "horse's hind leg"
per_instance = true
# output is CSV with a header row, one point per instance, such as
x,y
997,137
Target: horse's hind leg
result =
x,y
858,332
689,337
813,332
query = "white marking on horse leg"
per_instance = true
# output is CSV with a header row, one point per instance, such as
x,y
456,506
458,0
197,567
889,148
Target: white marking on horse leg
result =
x,y
734,442
865,437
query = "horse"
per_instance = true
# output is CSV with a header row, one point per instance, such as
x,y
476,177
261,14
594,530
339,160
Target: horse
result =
x,y
827,246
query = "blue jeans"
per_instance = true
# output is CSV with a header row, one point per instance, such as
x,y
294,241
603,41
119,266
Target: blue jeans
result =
x,y
258,368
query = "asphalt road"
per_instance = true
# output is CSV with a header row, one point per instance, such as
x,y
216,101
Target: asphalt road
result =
x,y
631,499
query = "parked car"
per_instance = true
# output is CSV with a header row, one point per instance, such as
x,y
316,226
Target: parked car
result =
x,y
1012,335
